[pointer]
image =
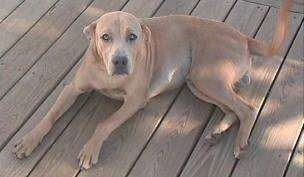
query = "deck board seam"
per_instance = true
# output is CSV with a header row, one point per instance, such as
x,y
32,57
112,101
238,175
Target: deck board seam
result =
x,y
50,8
194,7
195,143
293,152
40,102
271,85
158,7
12,11
47,49
225,18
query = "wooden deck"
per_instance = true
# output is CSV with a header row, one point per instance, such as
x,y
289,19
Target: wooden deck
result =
x,y
41,46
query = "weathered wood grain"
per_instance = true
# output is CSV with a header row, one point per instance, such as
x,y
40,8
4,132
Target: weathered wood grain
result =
x,y
21,20
9,164
143,9
298,4
167,150
19,59
213,9
219,160
296,167
175,137
170,7
7,7
18,104
279,124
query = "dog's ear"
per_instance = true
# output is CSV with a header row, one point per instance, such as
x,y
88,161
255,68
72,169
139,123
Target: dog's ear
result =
x,y
89,30
146,32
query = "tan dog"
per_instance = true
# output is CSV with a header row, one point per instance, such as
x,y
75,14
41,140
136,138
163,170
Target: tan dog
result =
x,y
135,59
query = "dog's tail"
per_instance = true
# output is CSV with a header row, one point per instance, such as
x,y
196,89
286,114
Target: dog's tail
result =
x,y
258,47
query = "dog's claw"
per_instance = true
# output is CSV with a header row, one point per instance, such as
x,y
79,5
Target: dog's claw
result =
x,y
240,150
212,138
88,156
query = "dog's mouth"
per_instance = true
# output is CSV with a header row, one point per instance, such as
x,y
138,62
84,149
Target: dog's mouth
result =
x,y
120,70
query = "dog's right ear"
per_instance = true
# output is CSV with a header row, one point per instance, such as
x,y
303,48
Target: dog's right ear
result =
x,y
89,30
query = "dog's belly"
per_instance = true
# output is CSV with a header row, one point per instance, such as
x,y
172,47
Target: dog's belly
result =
x,y
171,75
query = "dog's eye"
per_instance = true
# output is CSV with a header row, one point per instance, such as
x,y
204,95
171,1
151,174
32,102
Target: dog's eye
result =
x,y
105,37
132,37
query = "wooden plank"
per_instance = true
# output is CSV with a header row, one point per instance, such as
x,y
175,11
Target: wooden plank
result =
x,y
22,100
120,150
173,142
219,160
21,20
7,7
9,164
298,4
19,59
297,161
213,9
279,125
142,8
170,7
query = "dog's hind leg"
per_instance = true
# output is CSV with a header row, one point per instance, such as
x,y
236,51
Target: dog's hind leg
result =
x,y
225,123
244,81
226,96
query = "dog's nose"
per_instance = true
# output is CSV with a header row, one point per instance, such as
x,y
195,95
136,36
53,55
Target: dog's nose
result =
x,y
120,61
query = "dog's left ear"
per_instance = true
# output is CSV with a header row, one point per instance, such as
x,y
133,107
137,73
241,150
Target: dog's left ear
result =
x,y
89,30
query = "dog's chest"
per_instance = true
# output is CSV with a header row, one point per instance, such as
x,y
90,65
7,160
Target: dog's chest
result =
x,y
106,85
115,93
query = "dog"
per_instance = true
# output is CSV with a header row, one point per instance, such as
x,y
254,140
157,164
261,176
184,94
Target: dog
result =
x,y
134,60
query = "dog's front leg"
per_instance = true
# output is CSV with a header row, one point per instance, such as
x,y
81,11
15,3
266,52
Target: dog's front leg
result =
x,y
30,141
90,152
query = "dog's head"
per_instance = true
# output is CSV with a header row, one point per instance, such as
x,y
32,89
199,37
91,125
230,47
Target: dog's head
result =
x,y
119,39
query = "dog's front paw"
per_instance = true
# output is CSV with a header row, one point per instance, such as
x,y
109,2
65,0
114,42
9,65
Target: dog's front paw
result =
x,y
25,146
88,156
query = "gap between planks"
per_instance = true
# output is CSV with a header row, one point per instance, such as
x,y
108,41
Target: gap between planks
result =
x,y
2,53
11,11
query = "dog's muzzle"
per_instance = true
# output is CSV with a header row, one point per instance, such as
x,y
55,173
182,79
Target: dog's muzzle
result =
x,y
120,64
